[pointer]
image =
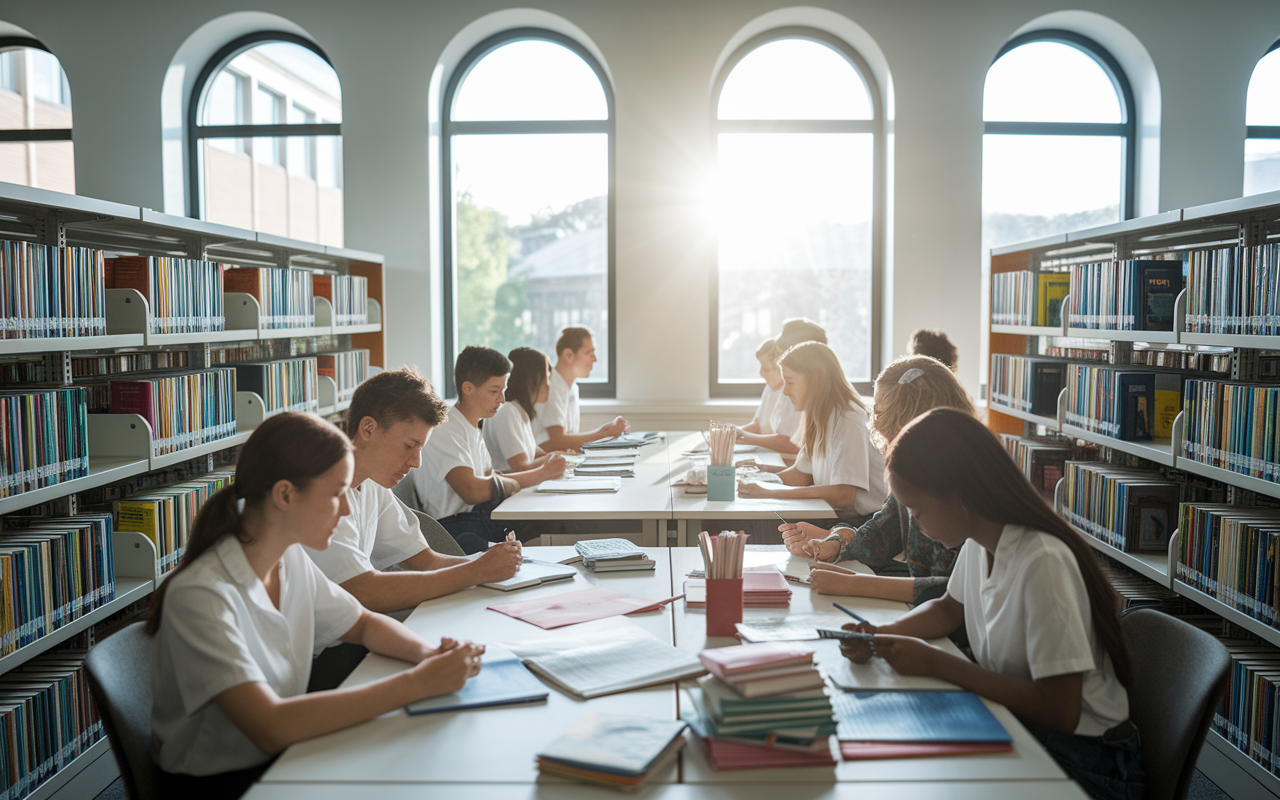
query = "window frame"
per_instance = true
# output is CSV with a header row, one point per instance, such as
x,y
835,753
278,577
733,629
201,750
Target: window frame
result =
x,y
24,135
1126,128
450,127
199,91
875,126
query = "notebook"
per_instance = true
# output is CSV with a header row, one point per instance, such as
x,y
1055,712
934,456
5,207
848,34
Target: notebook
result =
x,y
580,486
917,717
877,674
607,548
534,573
726,662
791,628
726,752
570,608
616,749
502,681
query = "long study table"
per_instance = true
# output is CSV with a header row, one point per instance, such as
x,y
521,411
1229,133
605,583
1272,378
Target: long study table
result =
x,y
489,753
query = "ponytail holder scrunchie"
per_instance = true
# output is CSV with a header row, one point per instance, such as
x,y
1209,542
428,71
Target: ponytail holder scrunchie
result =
x,y
910,375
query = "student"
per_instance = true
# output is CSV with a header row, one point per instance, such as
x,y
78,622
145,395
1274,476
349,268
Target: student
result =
x,y
837,462
777,420
456,482
509,435
1041,618
391,417
905,389
236,624
558,421
935,343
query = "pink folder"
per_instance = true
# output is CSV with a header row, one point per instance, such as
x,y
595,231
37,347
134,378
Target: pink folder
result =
x,y
571,608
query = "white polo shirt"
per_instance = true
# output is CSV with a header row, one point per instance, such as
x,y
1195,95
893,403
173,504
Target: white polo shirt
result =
x,y
220,630
561,408
1029,618
456,443
507,433
378,534
776,414
849,459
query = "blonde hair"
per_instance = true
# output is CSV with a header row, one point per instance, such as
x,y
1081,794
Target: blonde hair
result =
x,y
768,351
829,391
932,386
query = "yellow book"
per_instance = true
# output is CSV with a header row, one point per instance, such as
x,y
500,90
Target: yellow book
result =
x,y
1051,288
1168,404
139,516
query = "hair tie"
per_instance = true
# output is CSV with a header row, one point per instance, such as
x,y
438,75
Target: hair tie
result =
x,y
910,375
240,506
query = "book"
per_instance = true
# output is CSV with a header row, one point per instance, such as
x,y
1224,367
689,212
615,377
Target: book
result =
x,y
570,608
1051,289
1013,297
1026,384
1137,400
502,681
43,438
726,662
534,573
597,471
1160,283
51,292
284,295
183,295
607,548
348,369
183,410
615,749
290,385
1130,509
580,486
1168,402
767,752
1042,459
802,715
917,717
348,294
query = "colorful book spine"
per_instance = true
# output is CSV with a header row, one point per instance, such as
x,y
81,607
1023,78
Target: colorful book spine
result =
x,y
184,294
1232,426
165,516
1124,295
1248,715
348,369
1026,384
1013,298
1114,402
183,410
1130,509
43,438
285,295
290,385
1234,290
1231,553
50,292
1041,459
349,296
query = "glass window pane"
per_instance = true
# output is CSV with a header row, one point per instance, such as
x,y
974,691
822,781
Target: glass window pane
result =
x,y
794,79
1049,82
1261,165
329,161
530,79
794,223
531,240
1035,186
301,156
8,74
266,107
224,99
1262,106
48,82
296,72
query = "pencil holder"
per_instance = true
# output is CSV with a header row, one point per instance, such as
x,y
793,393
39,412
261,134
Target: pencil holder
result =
x,y
722,483
724,606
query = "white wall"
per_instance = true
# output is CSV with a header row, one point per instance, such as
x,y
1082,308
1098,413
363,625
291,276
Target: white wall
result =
x,y
661,54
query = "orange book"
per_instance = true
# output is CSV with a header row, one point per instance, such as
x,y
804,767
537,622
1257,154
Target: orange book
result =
x,y
243,279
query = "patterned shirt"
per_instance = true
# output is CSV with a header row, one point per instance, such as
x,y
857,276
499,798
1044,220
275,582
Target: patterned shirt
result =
x,y
892,531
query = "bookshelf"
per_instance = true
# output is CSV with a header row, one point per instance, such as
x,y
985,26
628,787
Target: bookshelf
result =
x,y
1243,222
122,446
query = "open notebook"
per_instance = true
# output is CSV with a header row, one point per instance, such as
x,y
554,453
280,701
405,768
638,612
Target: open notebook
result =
x,y
534,573
581,486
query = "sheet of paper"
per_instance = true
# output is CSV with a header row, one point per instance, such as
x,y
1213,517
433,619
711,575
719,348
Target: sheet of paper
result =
x,y
876,674
791,628
571,608
580,486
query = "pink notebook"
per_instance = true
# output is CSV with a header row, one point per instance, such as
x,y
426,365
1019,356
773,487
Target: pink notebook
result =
x,y
722,755
571,608
729,661
858,751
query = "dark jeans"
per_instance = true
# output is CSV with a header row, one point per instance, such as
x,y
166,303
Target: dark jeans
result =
x,y
1107,767
223,786
473,530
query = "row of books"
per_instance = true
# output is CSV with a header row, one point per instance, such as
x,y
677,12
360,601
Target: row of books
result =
x,y
1078,353
1041,459
291,385
1026,384
1130,509
54,572
184,294
49,292
47,720
1234,290
348,369
1217,361
1024,297
1123,403
43,438
1232,426
183,410
29,368
165,516
349,296
1133,295
1232,553
1247,716
285,295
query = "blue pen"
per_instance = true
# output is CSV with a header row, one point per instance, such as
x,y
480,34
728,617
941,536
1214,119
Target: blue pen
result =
x,y
863,620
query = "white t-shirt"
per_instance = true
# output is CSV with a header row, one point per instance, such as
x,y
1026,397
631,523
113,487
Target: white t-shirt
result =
x,y
220,630
456,443
509,432
776,414
849,459
561,408
1030,619
378,534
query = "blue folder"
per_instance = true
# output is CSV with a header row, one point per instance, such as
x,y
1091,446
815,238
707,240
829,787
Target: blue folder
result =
x,y
915,717
502,681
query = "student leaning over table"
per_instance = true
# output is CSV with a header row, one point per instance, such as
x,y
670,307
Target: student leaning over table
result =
x,y
905,389
509,435
837,462
556,425
777,421
1042,620
236,624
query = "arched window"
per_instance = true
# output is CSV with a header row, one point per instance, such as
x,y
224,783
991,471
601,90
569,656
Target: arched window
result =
x,y
1058,150
35,117
1262,120
799,128
265,139
527,140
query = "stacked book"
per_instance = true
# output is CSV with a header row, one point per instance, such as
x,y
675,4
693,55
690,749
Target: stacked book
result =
x,y
50,291
290,385
348,294
762,587
348,369
184,295
763,705
613,749
612,555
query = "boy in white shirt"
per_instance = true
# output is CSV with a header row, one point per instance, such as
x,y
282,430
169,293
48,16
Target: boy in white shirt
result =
x,y
558,420
456,483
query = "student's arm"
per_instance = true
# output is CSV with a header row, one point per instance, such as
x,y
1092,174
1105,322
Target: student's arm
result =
x,y
472,488
777,442
549,471
429,575
798,485
557,439
826,580
519,462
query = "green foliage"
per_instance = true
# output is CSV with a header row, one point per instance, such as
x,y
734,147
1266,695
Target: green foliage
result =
x,y
581,216
489,305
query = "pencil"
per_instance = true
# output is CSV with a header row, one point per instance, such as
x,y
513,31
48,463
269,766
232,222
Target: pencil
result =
x,y
863,620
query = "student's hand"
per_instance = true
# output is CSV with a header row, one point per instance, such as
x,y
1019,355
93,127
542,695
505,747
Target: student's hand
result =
x,y
753,489
801,537
447,671
617,427
751,462
907,654
498,563
833,581
554,468
856,650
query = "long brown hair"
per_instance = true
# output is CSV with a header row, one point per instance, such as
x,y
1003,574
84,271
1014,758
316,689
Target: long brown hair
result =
x,y
902,395
528,371
949,454
829,391
286,447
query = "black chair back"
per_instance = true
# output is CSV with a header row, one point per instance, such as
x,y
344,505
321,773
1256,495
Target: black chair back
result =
x,y
119,671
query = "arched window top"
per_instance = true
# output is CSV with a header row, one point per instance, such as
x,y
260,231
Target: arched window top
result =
x,y
1047,80
794,79
279,69
1262,105
35,117
530,79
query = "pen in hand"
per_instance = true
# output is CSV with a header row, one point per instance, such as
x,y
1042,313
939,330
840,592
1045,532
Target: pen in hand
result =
x,y
861,619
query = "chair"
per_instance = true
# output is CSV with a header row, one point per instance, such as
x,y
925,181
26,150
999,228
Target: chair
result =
x,y
119,672
1181,674
437,537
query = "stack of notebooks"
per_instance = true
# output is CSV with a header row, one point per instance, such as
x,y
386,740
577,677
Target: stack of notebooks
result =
x,y
612,555
762,587
764,705
613,749
608,462
625,441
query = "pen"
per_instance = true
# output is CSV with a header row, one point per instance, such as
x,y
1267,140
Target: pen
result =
x,y
863,620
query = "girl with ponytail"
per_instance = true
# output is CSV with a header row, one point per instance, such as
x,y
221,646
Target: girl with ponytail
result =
x,y
1041,618
237,623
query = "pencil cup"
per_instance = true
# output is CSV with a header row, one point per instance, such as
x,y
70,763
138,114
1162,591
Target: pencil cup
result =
x,y
724,606
722,483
